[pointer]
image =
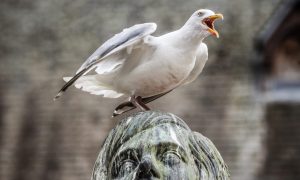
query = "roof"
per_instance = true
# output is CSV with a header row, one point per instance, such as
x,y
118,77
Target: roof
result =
x,y
279,16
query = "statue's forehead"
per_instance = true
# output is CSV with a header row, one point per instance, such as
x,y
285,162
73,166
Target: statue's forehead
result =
x,y
161,134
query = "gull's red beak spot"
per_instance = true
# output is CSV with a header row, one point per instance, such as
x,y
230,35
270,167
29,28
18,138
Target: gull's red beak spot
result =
x,y
209,22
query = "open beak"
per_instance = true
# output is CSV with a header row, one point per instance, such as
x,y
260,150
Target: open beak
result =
x,y
209,22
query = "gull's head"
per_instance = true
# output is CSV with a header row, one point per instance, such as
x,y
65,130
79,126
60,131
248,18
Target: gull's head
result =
x,y
203,20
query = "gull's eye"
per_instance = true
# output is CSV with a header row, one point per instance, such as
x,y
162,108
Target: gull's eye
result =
x,y
200,14
127,167
171,158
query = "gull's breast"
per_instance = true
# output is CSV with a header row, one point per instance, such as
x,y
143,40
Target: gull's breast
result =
x,y
159,72
156,76
157,83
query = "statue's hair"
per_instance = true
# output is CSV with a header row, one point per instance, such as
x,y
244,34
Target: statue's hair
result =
x,y
207,158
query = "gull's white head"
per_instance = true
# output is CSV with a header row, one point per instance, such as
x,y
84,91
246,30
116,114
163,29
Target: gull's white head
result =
x,y
203,20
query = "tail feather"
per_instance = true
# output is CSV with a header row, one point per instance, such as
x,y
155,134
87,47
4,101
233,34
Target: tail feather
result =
x,y
92,85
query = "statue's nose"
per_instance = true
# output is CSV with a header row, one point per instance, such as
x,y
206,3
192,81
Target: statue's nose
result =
x,y
147,168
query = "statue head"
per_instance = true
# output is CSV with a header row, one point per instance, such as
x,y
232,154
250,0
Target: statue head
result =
x,y
153,145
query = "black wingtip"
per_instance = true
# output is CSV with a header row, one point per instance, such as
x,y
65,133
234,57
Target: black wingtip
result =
x,y
60,93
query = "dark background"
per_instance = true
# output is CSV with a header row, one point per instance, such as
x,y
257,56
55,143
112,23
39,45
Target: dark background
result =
x,y
254,125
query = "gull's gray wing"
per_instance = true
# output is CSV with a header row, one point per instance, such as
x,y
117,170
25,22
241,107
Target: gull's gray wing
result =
x,y
128,37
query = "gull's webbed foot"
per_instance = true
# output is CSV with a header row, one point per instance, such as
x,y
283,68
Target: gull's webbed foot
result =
x,y
130,105
122,108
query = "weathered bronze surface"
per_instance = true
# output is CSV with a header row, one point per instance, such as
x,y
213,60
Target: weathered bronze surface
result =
x,y
155,145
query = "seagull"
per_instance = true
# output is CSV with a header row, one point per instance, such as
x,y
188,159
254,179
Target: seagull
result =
x,y
143,67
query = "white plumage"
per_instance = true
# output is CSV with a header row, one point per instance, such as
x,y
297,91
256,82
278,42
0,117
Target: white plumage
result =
x,y
134,63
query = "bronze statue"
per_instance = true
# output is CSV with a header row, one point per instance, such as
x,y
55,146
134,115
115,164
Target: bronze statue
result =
x,y
155,145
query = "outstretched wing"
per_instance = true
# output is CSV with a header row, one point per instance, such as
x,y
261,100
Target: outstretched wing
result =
x,y
128,37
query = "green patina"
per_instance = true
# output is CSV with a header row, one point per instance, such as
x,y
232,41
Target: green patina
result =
x,y
155,145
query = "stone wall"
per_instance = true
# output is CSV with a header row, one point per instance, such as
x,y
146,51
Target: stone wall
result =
x,y
42,41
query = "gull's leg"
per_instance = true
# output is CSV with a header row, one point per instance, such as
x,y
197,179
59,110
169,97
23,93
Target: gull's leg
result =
x,y
128,106
141,102
138,102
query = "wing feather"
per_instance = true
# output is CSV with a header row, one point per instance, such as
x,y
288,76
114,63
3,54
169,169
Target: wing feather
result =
x,y
120,41
128,37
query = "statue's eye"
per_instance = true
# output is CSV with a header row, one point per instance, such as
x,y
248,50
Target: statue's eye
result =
x,y
171,158
126,167
200,14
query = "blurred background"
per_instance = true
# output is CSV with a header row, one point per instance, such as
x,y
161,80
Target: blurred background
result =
x,y
247,100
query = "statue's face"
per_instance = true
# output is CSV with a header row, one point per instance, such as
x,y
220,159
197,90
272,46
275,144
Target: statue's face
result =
x,y
161,152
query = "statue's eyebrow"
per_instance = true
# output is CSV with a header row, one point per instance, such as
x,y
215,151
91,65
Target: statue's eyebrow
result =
x,y
166,146
130,152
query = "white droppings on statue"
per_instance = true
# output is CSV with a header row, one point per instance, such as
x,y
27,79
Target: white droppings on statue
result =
x,y
173,136
128,120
